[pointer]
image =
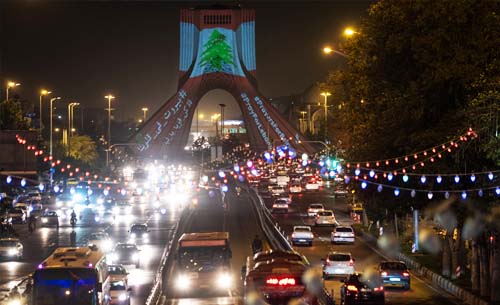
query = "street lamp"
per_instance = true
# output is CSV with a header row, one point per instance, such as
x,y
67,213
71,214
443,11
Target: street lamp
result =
x,y
222,106
10,85
109,97
329,50
70,124
326,95
349,32
145,110
42,93
51,128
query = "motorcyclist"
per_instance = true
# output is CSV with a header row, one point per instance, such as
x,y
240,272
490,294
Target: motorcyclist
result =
x,y
256,244
238,190
73,217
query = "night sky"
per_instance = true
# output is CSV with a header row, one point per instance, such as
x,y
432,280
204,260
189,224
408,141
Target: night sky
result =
x,y
83,50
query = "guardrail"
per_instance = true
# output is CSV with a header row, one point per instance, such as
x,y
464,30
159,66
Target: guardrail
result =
x,y
277,238
156,291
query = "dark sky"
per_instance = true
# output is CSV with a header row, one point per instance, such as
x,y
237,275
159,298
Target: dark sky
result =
x,y
83,50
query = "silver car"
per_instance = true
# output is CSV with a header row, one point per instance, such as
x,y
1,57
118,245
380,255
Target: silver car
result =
x,y
338,263
11,248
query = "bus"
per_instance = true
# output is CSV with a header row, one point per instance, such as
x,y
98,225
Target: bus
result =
x,y
276,277
76,275
203,262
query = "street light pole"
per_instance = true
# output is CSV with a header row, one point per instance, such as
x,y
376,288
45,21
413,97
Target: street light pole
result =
x,y
70,124
145,110
222,119
10,85
109,97
51,109
326,95
42,93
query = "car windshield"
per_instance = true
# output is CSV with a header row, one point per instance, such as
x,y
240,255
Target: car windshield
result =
x,y
114,270
393,266
302,229
139,228
325,214
98,236
50,213
118,285
343,229
8,243
16,211
281,201
126,247
339,257
316,206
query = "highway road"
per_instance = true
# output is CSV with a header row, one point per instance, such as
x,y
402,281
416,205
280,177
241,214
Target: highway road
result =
x,y
41,243
367,258
241,223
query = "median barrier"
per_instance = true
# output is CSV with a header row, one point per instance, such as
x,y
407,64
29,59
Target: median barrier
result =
x,y
155,296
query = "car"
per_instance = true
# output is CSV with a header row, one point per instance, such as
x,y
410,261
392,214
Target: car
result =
x,y
139,231
361,289
88,216
312,185
280,205
342,234
338,263
49,218
101,240
314,209
295,188
16,215
325,217
118,273
340,192
394,273
302,235
125,253
35,195
65,201
277,190
11,248
119,293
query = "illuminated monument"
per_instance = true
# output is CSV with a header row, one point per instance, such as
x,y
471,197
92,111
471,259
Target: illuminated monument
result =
x,y
217,51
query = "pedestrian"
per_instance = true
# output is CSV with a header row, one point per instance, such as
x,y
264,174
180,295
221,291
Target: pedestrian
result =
x,y
72,238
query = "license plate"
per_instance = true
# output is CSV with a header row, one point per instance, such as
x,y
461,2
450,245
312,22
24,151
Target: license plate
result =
x,y
302,240
394,279
365,289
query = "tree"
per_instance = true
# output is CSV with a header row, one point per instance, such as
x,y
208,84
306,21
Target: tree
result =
x,y
217,54
11,115
426,70
83,148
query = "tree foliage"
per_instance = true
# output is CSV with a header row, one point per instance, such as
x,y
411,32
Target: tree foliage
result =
x,y
83,149
11,115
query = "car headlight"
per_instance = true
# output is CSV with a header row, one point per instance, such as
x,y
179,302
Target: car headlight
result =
x,y
224,280
100,201
135,257
113,257
133,235
144,235
182,282
97,219
13,251
15,302
122,297
44,220
163,211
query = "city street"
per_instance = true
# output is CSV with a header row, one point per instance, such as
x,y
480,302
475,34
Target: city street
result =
x,y
41,243
366,257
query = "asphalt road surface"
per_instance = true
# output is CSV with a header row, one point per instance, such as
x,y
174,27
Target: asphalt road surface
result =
x,y
366,257
41,243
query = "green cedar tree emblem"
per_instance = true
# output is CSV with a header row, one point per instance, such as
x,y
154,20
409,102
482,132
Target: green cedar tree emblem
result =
x,y
217,54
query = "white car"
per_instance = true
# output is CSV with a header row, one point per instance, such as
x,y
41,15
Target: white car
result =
x,y
302,235
312,186
295,189
101,240
325,217
119,293
314,209
118,273
280,205
338,263
343,234
11,248
277,190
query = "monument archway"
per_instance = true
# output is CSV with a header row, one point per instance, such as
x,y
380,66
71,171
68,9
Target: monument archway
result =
x,y
217,51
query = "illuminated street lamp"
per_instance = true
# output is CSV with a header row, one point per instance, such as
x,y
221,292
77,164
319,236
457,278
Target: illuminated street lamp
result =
x,y
109,97
349,32
329,50
42,93
51,128
70,124
10,85
144,110
326,95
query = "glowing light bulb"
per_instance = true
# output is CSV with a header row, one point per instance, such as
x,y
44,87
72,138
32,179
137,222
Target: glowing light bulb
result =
x,y
363,185
390,176
439,179
372,173
457,179
396,192
379,188
405,178
423,179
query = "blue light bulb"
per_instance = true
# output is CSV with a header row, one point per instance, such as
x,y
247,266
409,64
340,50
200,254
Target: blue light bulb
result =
x,y
464,195
357,172
379,188
396,192
439,179
363,185
372,174
390,176
457,179
473,178
490,176
405,178
423,179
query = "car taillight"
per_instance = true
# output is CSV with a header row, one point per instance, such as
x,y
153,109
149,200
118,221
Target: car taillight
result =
x,y
327,262
383,273
351,263
352,288
293,235
381,288
406,274
286,281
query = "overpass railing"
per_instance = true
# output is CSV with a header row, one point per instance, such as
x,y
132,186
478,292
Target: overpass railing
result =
x,y
278,240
